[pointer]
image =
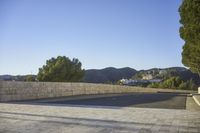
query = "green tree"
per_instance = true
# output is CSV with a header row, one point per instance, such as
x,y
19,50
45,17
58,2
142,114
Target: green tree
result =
x,y
175,83
188,85
190,33
171,83
30,78
61,69
154,85
118,82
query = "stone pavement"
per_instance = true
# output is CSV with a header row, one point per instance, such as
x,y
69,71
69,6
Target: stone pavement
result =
x,y
24,118
191,104
197,98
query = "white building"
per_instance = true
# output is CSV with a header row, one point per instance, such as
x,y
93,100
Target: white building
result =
x,y
135,82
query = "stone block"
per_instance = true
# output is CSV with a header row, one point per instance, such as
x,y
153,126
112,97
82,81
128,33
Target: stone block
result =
x,y
10,90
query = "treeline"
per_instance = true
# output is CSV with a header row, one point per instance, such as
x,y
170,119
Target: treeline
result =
x,y
175,83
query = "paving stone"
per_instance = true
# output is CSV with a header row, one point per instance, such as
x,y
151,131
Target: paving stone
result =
x,y
25,118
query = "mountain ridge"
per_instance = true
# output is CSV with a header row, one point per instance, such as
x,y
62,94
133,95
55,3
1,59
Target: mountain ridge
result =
x,y
112,74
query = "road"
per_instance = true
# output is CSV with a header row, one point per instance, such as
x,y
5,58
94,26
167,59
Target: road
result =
x,y
144,100
157,113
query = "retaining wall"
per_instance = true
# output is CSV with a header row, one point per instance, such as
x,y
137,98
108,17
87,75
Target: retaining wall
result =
x,y
13,91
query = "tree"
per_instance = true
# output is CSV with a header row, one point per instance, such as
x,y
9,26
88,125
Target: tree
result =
x,y
154,85
190,33
30,78
175,83
61,69
189,85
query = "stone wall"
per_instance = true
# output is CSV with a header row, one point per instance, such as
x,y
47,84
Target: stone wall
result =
x,y
13,91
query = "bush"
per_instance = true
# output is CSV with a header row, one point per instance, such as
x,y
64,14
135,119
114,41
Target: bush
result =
x,y
175,83
188,85
154,85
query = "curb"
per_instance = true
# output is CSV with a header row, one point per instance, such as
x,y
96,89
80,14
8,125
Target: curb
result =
x,y
196,100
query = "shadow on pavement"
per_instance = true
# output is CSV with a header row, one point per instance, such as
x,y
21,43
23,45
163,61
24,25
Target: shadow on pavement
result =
x,y
143,100
88,122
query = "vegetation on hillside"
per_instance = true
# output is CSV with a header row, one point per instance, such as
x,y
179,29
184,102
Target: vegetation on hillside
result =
x,y
164,74
175,77
30,78
175,83
108,75
157,73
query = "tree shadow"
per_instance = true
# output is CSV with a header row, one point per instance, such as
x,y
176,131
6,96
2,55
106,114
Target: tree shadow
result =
x,y
88,122
143,100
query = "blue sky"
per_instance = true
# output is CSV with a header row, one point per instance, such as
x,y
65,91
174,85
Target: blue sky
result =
x,y
141,34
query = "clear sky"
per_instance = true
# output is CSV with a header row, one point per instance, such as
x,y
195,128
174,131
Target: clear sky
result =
x,y
141,34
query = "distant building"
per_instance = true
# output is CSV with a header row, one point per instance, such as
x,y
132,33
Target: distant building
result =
x,y
138,82
147,77
155,80
126,81
162,72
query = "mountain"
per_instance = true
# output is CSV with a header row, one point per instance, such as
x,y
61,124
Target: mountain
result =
x,y
165,73
14,78
109,74
5,77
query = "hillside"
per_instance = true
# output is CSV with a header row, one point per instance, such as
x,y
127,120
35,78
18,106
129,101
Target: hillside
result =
x,y
109,74
158,73
112,74
14,78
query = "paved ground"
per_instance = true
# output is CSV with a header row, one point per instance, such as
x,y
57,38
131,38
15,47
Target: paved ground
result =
x,y
197,98
191,104
147,100
27,118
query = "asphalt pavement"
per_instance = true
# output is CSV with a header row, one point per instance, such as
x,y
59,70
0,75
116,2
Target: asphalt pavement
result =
x,y
117,113
143,100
